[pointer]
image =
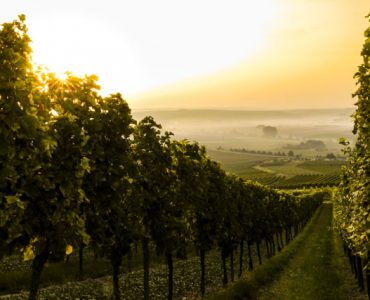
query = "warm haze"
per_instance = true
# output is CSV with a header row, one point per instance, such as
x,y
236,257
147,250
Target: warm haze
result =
x,y
266,54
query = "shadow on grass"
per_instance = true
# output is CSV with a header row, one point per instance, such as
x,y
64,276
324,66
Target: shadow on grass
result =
x,y
247,287
62,272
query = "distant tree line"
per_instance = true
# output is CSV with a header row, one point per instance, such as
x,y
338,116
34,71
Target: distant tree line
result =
x,y
290,153
307,145
243,150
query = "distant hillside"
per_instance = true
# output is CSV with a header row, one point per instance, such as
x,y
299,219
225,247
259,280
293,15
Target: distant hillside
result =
x,y
214,115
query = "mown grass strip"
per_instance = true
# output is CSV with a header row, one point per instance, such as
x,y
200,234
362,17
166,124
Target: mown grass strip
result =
x,y
316,270
247,287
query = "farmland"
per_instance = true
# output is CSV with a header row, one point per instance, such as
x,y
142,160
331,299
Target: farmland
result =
x,y
278,172
234,139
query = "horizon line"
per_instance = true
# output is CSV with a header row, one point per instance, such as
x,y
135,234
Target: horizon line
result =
x,y
236,108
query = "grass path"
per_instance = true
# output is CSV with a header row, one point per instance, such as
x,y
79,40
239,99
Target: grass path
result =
x,y
318,270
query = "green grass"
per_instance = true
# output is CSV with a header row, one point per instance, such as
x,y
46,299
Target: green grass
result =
x,y
248,287
269,179
322,166
279,173
315,272
274,163
290,169
311,267
297,181
308,180
238,163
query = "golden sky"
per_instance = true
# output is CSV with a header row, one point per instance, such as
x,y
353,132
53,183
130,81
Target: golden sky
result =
x,y
204,53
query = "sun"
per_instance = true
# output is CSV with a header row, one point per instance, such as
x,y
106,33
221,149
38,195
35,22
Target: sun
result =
x,y
62,76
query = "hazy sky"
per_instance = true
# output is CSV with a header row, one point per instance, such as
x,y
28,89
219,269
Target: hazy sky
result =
x,y
204,53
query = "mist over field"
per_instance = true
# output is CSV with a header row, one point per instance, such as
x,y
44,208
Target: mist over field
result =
x,y
243,129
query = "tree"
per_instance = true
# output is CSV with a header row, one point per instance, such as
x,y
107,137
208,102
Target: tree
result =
x,y
269,131
193,176
109,183
244,216
205,207
229,233
44,174
21,130
22,133
58,221
152,150
330,156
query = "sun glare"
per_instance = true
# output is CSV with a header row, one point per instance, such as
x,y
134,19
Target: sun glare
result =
x,y
166,42
201,50
62,76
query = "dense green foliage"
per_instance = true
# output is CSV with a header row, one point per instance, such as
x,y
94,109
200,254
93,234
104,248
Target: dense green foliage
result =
x,y
76,170
352,205
352,210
